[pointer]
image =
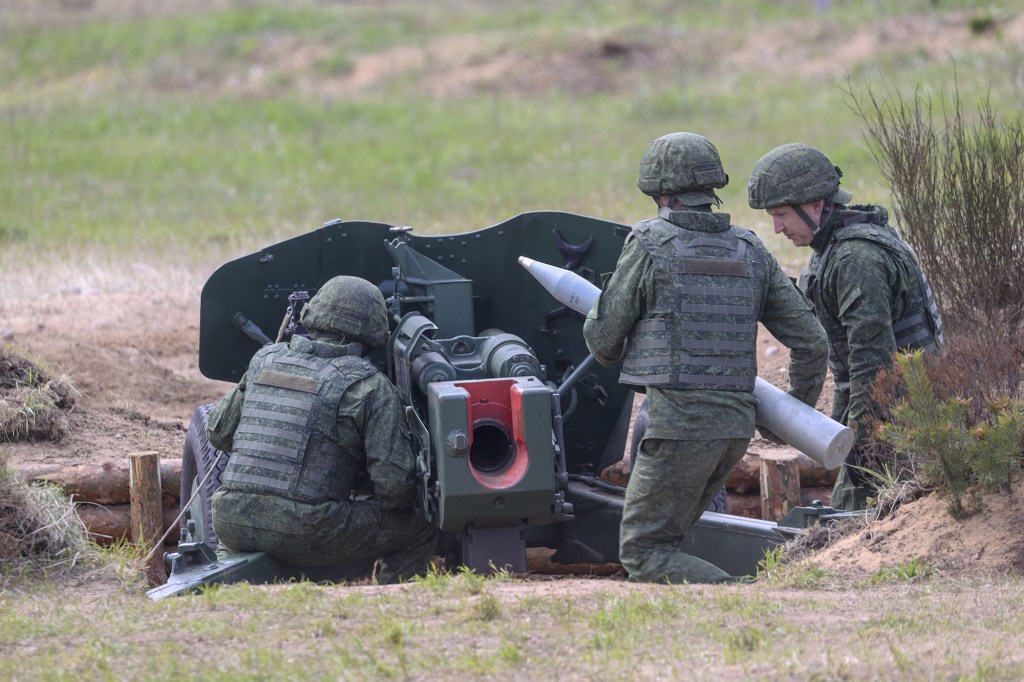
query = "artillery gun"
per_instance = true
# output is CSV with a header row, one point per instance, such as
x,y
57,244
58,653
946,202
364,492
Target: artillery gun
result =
x,y
512,417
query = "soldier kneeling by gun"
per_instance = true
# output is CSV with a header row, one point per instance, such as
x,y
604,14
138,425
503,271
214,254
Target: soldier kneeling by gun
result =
x,y
307,418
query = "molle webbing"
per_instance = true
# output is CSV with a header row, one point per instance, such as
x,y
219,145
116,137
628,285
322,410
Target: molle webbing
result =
x,y
913,331
702,330
278,448
920,326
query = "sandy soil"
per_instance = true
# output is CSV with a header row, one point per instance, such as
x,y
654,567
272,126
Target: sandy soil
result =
x,y
133,360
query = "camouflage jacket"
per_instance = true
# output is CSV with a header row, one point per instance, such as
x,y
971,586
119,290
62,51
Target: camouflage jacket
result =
x,y
368,429
706,414
872,297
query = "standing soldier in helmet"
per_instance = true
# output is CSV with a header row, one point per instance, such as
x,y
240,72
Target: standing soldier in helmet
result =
x,y
306,419
864,281
680,313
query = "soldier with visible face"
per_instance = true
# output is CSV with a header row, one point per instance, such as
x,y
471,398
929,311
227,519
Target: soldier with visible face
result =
x,y
864,281
307,418
680,314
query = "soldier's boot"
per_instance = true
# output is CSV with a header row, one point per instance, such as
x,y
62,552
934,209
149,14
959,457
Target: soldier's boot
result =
x,y
666,564
847,495
418,546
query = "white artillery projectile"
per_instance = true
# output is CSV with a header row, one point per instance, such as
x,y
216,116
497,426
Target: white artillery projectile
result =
x,y
821,438
566,286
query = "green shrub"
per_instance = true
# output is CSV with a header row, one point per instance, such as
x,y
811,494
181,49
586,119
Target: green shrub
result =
x,y
911,570
981,23
946,442
958,198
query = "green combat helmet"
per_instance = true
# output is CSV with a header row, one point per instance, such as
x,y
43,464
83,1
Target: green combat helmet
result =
x,y
350,306
792,175
679,164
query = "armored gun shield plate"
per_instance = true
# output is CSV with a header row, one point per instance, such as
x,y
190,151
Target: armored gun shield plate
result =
x,y
504,297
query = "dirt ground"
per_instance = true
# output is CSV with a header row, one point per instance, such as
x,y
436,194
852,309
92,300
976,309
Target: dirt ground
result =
x,y
133,359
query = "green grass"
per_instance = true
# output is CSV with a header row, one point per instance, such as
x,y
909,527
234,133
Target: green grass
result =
x,y
499,628
914,569
130,134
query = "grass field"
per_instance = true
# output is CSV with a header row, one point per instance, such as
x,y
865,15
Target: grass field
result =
x,y
178,136
807,625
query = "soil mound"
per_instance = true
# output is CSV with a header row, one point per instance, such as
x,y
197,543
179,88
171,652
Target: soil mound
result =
x,y
33,403
987,542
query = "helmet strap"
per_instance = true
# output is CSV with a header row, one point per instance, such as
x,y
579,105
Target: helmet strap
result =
x,y
826,213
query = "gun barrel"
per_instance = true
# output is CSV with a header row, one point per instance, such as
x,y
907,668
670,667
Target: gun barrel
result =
x,y
250,329
818,436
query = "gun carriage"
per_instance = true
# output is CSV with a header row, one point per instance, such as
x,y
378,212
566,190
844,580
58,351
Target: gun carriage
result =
x,y
511,416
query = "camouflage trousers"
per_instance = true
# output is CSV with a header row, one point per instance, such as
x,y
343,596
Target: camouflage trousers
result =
x,y
670,487
327,533
848,493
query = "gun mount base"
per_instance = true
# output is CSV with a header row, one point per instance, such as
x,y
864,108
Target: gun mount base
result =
x,y
488,550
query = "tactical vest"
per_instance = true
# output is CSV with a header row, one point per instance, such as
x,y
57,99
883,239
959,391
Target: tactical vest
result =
x,y
920,326
286,440
701,329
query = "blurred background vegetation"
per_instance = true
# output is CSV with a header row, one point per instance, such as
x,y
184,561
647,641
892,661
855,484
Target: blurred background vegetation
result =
x,y
142,143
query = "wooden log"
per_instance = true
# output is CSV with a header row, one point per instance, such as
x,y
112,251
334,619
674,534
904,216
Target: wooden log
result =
x,y
746,475
538,562
170,479
111,523
748,505
102,484
780,484
147,511
809,495
617,473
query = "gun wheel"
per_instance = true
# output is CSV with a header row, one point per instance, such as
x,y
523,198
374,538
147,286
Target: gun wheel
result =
x,y
198,458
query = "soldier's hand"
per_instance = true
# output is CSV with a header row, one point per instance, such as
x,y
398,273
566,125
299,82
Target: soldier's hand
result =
x,y
768,435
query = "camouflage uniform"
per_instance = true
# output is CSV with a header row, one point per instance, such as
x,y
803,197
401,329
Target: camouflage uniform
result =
x,y
872,298
701,417
307,418
865,283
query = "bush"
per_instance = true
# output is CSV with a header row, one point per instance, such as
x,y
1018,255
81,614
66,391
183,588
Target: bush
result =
x,y
946,441
958,198
955,421
40,533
